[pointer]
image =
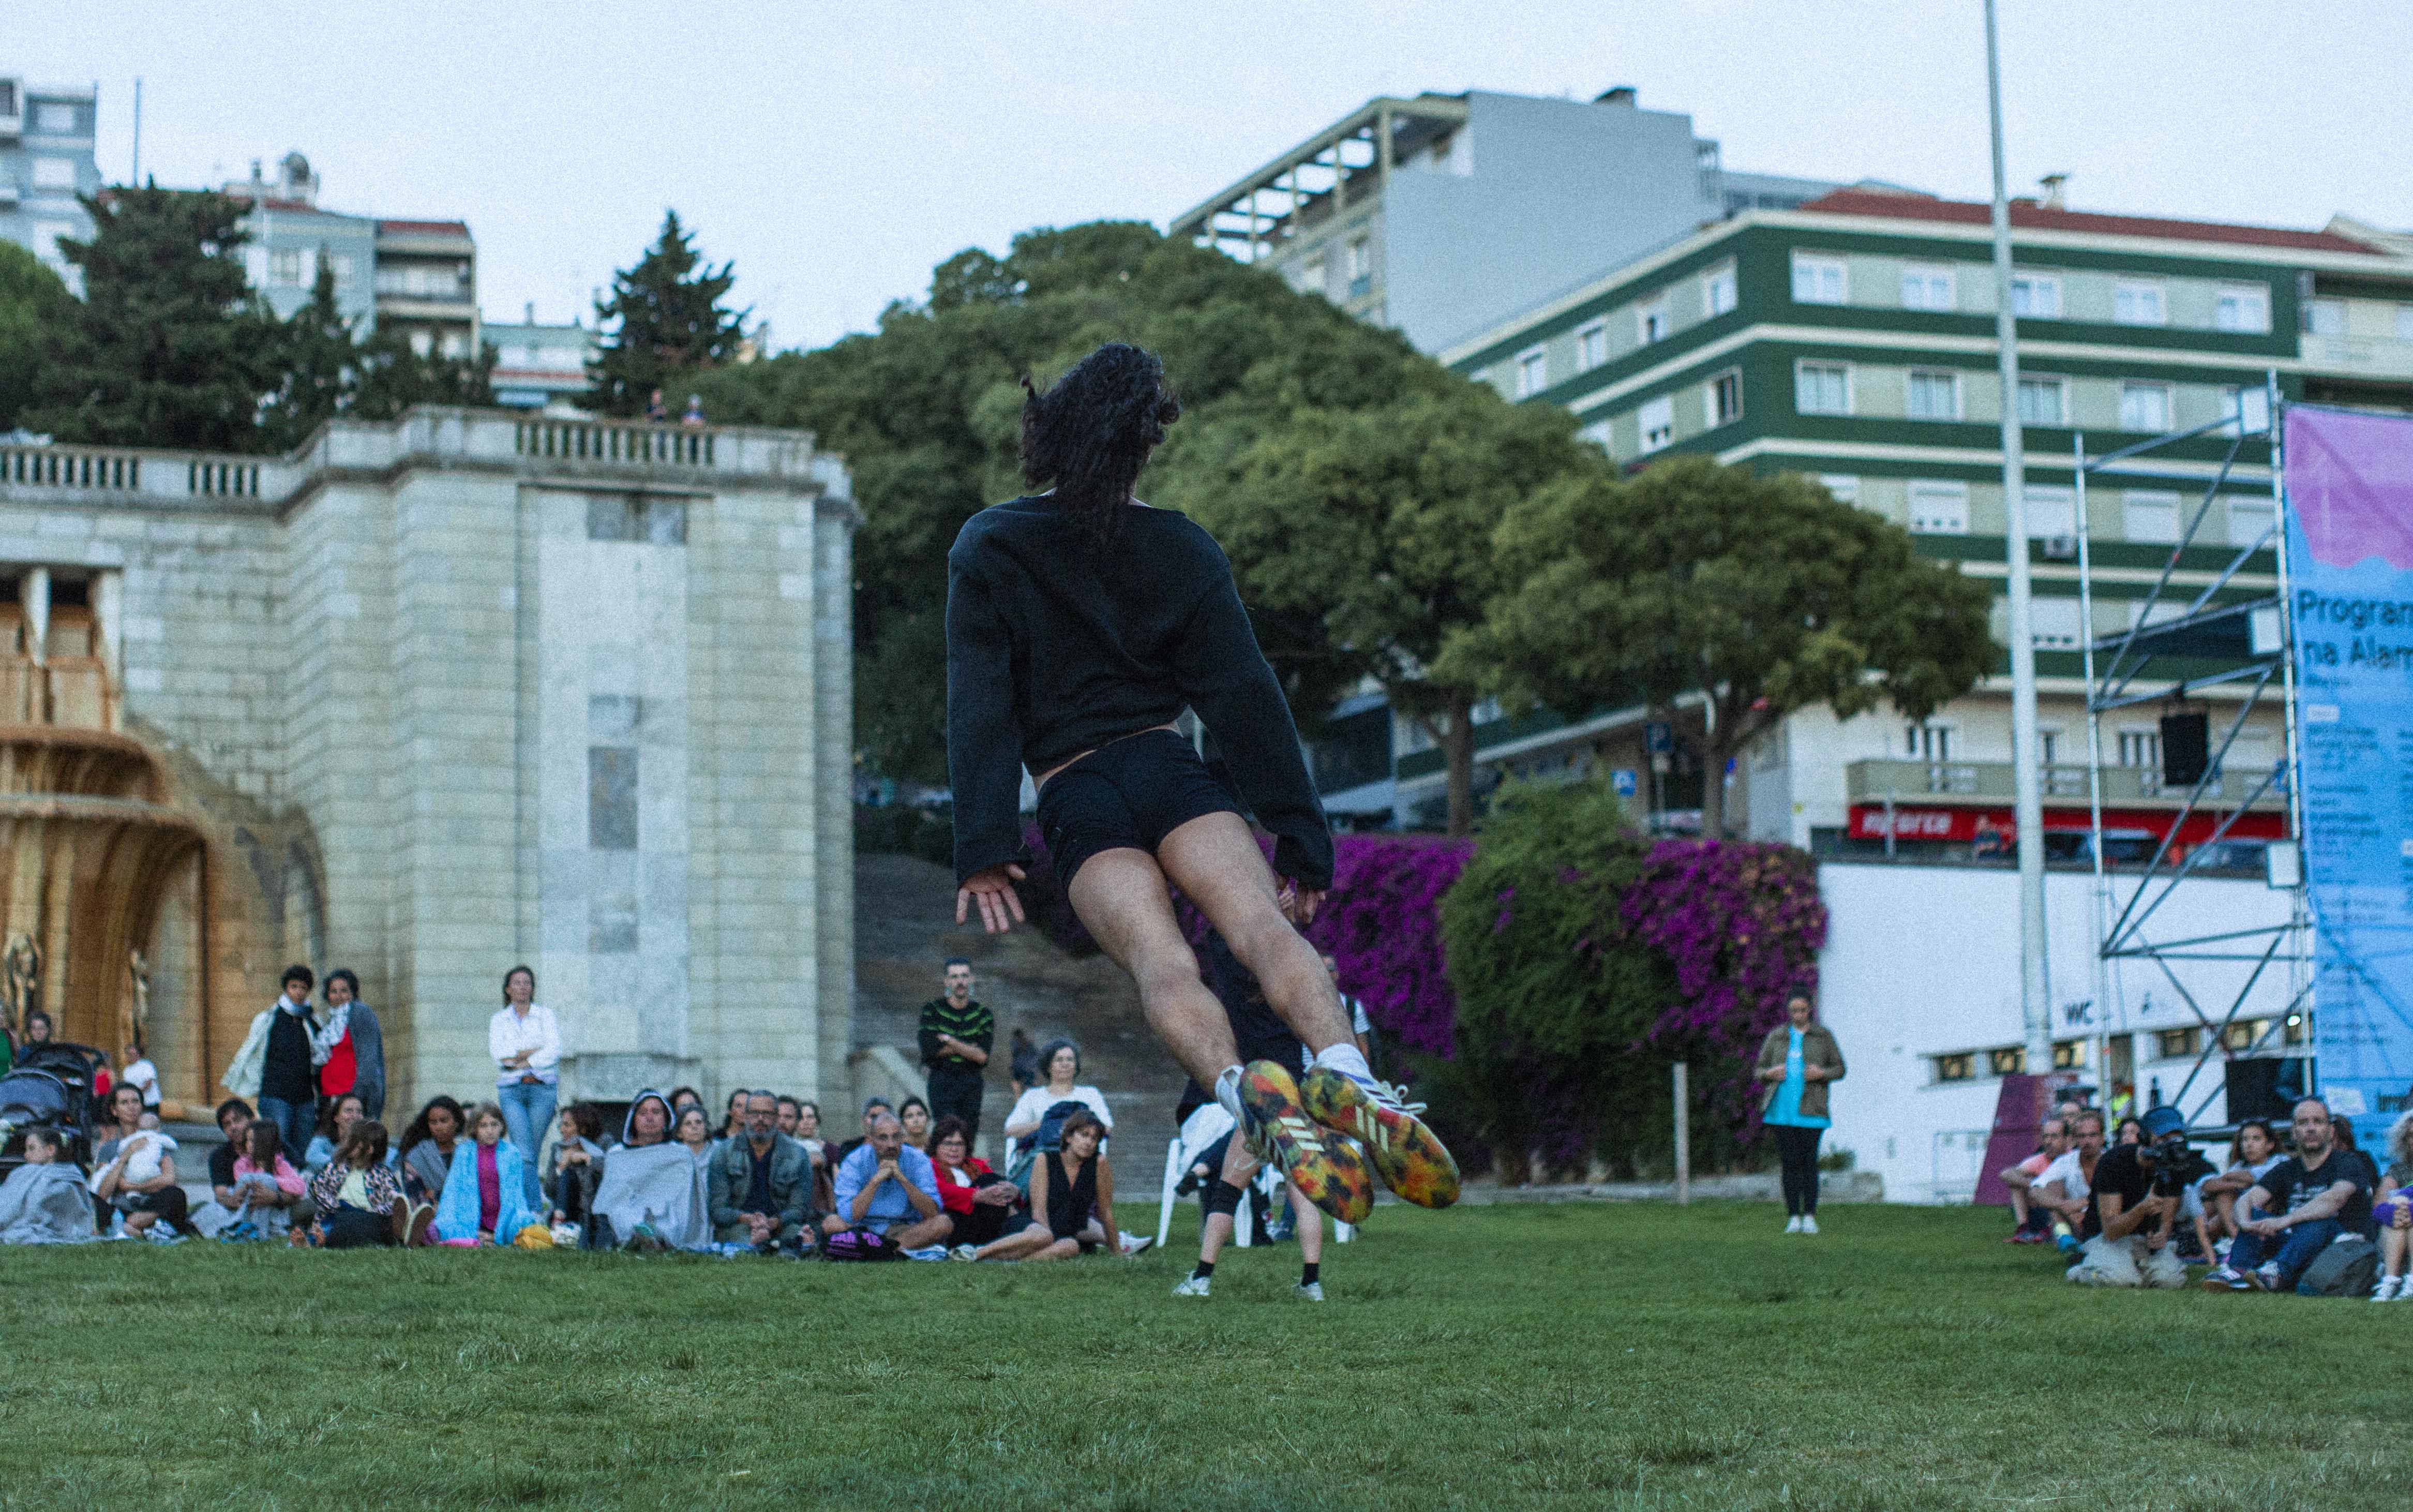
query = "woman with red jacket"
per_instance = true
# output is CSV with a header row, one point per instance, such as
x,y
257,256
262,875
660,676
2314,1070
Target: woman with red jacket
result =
x,y
984,1204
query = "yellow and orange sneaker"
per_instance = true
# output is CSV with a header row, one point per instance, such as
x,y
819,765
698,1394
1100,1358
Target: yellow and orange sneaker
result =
x,y
1328,1172
1410,1160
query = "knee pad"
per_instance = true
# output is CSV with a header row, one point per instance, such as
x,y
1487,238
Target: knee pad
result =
x,y
1223,1198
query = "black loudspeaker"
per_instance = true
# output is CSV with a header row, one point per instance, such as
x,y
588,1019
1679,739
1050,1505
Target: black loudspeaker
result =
x,y
2264,1087
2186,749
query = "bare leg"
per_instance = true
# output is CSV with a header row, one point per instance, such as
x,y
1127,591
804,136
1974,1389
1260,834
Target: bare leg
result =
x,y
1122,900
1311,1226
1215,861
2393,1250
1062,1249
2019,1209
934,1229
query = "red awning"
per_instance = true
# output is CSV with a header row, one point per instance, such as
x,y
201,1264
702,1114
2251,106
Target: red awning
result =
x,y
1922,822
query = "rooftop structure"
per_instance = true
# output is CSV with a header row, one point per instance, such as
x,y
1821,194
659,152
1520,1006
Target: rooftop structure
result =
x,y
46,160
416,276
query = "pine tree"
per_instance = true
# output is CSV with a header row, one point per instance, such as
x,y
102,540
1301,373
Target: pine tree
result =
x,y
664,317
169,347
33,303
320,358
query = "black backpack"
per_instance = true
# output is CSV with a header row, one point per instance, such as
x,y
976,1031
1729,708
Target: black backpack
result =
x,y
2348,1267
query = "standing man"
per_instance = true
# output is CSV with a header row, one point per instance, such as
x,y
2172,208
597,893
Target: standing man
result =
x,y
957,1032
275,1064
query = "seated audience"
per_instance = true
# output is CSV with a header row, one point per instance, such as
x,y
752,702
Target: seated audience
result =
x,y
2131,1131
1060,1066
1073,1187
1022,1062
43,1201
760,1184
234,1117
577,1163
683,1098
2031,1224
267,1187
2294,1210
2252,1152
789,1111
2062,1187
2126,1236
914,1114
485,1193
888,1187
732,1117
873,1109
358,1200
808,1134
652,1194
427,1147
340,1114
2394,1212
985,1206
135,1172
695,1135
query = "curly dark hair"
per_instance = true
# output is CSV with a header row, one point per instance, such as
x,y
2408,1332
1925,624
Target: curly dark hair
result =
x,y
1091,433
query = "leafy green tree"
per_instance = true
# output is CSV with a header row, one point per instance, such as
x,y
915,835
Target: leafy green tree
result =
x,y
1378,522
33,304
319,359
169,347
392,377
1764,594
664,317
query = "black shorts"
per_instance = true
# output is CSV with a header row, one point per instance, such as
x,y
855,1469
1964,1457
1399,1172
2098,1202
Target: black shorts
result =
x,y
1129,793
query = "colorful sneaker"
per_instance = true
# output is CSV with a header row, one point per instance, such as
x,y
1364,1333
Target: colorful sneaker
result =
x,y
1310,1291
1194,1287
2221,1278
1328,1172
1404,1152
2264,1277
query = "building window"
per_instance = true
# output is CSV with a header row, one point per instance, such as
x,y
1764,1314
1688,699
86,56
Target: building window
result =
x,y
343,265
2404,322
1658,420
1938,508
284,265
1310,276
2149,517
2138,304
2007,1062
2035,297
1533,372
2324,317
1597,433
2141,748
2176,1044
2249,522
636,518
1361,268
2249,408
2053,624
1591,346
1822,389
55,173
2241,1034
1845,488
1820,280
1927,285
54,120
1960,1067
1652,320
8,97
2243,307
1927,743
2052,512
1934,394
1718,293
2043,401
2068,1054
2145,406
1726,398
611,797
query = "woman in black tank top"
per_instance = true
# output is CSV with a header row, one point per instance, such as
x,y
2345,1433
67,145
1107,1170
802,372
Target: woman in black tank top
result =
x,y
1072,1197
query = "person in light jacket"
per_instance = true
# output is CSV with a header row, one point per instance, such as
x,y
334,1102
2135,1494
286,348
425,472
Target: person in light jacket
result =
x,y
1796,1060
526,1041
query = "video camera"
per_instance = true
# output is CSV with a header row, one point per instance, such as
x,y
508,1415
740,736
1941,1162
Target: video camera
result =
x,y
2176,1163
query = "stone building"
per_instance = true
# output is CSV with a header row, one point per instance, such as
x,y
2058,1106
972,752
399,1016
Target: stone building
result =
x,y
428,700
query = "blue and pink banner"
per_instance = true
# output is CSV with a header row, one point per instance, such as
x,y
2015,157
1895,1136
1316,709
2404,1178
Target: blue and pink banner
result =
x,y
2350,484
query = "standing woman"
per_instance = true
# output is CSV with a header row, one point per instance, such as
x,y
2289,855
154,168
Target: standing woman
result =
x,y
350,1046
526,1042
1797,1060
1080,625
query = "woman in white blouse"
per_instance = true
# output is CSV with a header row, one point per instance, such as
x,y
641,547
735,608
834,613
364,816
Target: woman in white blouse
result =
x,y
526,1041
1060,1075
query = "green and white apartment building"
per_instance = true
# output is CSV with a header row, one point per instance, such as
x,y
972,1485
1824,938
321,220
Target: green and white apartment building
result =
x,y
1853,339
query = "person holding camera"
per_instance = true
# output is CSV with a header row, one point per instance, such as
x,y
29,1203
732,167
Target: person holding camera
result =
x,y
2317,1193
2132,1206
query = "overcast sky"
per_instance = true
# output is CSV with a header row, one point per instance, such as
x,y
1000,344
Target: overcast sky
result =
x,y
837,152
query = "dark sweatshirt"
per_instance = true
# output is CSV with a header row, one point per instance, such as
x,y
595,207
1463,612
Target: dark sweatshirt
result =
x,y
1057,645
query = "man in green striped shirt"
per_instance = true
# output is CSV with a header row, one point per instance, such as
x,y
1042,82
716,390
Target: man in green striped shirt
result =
x,y
957,1032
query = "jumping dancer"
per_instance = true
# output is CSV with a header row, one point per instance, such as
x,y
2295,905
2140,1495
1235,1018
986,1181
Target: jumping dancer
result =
x,y
1080,623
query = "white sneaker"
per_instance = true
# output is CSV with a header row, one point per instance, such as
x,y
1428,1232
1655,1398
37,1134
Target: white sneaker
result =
x,y
1132,1243
1312,1290
1793,1225
2387,1288
2404,1288
1194,1287
1809,1225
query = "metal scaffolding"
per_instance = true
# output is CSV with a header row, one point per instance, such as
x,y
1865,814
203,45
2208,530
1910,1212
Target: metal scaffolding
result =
x,y
2118,683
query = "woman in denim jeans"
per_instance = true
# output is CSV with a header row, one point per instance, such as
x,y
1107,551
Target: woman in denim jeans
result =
x,y
526,1042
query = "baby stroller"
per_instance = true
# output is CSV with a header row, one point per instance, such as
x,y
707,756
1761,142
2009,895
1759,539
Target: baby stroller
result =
x,y
51,1085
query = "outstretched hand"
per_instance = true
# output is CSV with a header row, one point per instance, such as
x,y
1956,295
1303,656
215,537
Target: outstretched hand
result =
x,y
993,888
1298,905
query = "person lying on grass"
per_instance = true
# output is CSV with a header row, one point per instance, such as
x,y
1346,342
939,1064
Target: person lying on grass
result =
x,y
484,1201
1073,1188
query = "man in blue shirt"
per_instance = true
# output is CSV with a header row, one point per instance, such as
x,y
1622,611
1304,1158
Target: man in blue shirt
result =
x,y
889,1188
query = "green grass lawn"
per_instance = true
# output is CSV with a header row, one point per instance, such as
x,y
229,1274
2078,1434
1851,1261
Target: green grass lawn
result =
x,y
1489,1357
